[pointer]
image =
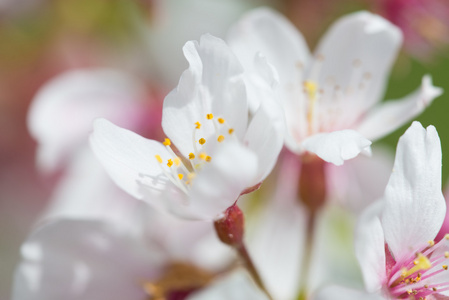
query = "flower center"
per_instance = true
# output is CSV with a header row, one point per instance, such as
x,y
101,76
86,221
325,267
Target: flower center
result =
x,y
183,170
417,276
326,103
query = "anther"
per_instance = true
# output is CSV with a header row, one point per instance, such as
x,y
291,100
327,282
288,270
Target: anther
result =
x,y
208,158
446,236
169,162
198,125
446,254
202,141
209,116
167,142
203,156
159,158
231,130
191,156
177,161
221,120
220,138
444,267
434,289
180,176
431,243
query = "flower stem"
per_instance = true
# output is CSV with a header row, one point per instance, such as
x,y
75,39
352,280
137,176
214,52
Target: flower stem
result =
x,y
230,230
244,255
307,258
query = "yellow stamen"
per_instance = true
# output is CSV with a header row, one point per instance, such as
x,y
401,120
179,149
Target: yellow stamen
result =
x,y
446,236
208,158
202,141
198,125
231,130
444,267
203,156
431,243
421,263
221,120
310,88
191,156
177,161
220,138
446,254
159,158
170,163
167,142
209,116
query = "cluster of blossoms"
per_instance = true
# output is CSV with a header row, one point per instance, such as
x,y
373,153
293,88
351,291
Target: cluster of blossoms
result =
x,y
175,228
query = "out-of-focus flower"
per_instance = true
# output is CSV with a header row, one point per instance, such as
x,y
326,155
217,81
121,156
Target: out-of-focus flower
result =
x,y
236,286
143,254
331,99
395,237
425,24
217,155
61,115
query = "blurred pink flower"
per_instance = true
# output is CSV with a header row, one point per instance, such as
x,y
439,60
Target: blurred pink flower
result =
x,y
425,24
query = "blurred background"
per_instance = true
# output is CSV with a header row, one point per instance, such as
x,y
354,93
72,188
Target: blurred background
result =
x,y
40,39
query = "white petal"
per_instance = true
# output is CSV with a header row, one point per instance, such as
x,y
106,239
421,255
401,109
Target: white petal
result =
x,y
78,260
86,192
130,161
276,246
339,292
261,82
363,37
212,84
414,204
370,247
237,286
266,31
265,136
390,115
338,146
62,112
219,184
353,187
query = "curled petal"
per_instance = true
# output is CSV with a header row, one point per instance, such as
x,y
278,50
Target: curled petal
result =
x,y
390,115
338,146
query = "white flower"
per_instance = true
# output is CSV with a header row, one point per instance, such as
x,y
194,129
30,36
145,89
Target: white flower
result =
x,y
395,237
143,255
218,154
331,99
61,114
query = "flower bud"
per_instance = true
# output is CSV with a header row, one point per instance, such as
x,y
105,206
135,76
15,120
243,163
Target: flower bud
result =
x,y
230,227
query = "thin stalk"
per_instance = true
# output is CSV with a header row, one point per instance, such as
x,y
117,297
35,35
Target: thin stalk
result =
x,y
246,258
307,258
